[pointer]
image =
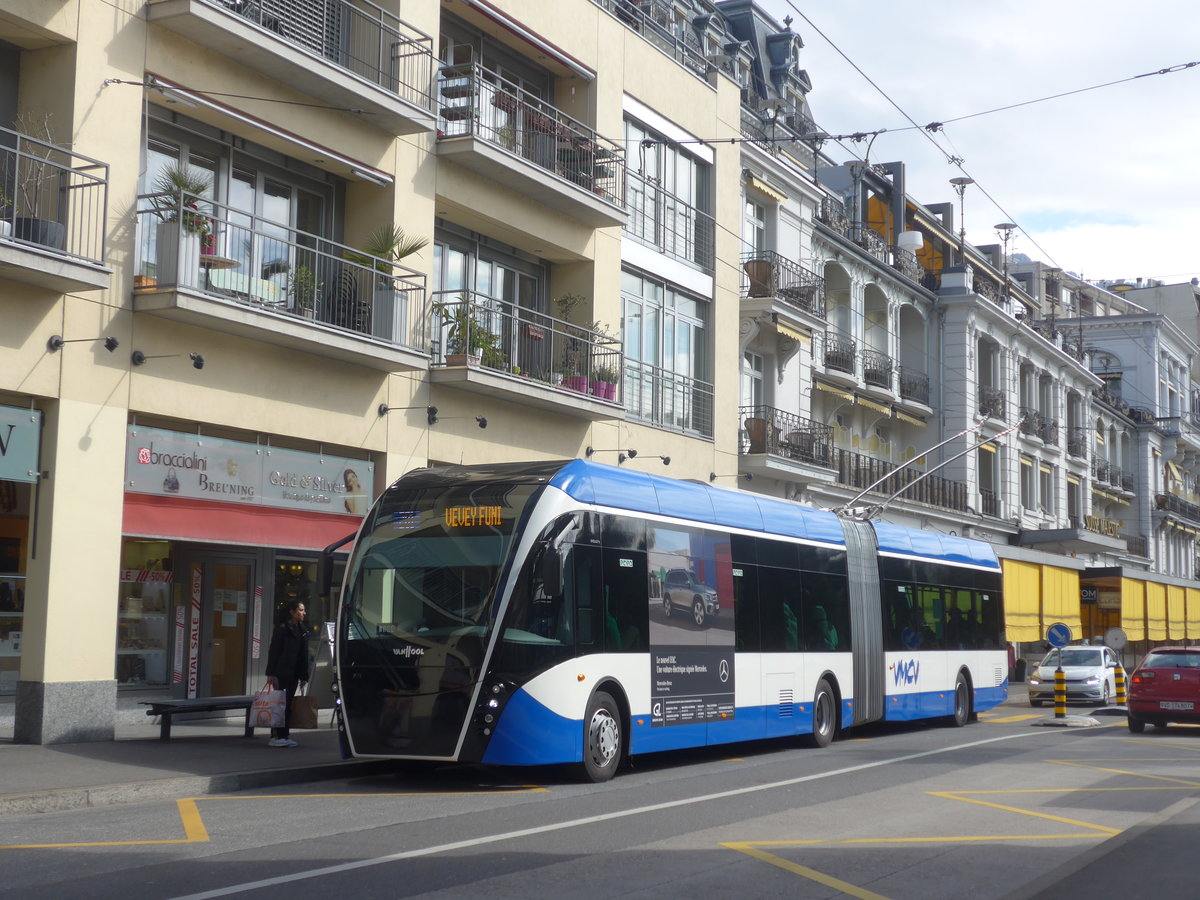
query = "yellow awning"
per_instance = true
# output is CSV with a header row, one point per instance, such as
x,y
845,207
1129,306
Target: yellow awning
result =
x,y
1156,611
1072,479
1176,612
1193,614
871,404
788,331
830,389
990,448
765,189
1060,598
1133,609
905,417
1022,600
1174,470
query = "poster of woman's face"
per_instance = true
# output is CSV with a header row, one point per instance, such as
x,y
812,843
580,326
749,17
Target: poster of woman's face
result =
x,y
355,496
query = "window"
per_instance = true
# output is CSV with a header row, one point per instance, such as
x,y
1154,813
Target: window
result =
x,y
752,379
1028,486
1046,488
666,350
755,227
668,197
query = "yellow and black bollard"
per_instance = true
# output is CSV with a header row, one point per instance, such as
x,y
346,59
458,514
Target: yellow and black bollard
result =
x,y
1122,698
1060,693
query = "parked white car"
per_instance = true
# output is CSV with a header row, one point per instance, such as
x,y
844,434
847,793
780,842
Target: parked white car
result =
x,y
1090,671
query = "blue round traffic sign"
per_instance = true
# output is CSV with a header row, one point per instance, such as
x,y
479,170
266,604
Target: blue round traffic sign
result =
x,y
1059,634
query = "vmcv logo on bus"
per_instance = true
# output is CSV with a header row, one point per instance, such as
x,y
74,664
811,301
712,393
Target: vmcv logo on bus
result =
x,y
906,671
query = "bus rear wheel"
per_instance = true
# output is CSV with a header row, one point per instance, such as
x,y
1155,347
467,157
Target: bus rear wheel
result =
x,y
962,703
603,738
824,715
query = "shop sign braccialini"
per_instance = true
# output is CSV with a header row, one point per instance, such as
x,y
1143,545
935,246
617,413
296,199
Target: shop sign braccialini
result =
x,y
197,467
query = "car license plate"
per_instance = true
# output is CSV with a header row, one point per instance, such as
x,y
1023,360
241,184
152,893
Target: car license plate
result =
x,y
1175,704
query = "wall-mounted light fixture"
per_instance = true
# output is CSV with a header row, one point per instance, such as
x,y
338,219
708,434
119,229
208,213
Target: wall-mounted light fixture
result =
x,y
138,358
749,476
56,341
431,412
622,455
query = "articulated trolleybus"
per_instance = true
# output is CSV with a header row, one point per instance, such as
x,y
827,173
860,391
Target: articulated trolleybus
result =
x,y
570,612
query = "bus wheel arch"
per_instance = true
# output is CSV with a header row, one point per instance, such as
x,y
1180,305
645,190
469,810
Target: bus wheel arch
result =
x,y
605,732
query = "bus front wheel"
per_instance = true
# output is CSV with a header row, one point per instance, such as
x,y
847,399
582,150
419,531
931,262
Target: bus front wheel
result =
x,y
824,715
603,739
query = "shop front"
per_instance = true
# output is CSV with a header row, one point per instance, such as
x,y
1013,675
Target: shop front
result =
x,y
218,536
1151,609
20,434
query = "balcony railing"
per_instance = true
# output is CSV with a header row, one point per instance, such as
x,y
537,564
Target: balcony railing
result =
x,y
877,369
479,103
52,198
658,22
668,399
914,384
991,403
906,263
1137,544
767,274
1077,441
1177,506
833,214
1048,431
856,470
1110,473
667,223
191,243
1112,399
473,329
355,35
779,433
989,503
840,353
989,291
873,242
1031,421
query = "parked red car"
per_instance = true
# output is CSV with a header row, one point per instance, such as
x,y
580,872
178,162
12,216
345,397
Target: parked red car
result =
x,y
1165,688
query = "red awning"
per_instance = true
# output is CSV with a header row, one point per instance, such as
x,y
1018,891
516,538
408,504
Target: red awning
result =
x,y
146,515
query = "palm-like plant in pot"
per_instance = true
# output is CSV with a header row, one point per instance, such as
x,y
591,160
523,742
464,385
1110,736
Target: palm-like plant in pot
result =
x,y
184,226
383,248
467,340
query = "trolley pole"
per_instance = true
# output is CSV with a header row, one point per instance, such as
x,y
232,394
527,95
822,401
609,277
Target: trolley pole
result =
x,y
1119,676
1060,693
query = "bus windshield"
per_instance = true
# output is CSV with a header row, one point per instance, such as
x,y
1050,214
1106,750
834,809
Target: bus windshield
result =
x,y
426,570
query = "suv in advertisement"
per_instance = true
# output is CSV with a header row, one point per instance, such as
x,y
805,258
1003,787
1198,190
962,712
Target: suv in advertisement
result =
x,y
681,590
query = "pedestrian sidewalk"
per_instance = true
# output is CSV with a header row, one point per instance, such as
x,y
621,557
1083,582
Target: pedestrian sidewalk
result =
x,y
204,756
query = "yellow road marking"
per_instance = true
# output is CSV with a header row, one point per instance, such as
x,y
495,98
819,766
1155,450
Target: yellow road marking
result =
x,y
955,795
1063,762
189,816
524,789
812,874
1022,717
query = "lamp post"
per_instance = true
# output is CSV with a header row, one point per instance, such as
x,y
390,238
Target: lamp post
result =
x,y
1004,231
960,187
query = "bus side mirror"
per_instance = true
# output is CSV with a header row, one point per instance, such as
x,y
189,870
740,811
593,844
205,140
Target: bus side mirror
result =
x,y
325,566
551,572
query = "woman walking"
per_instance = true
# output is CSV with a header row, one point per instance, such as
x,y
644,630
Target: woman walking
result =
x,y
287,664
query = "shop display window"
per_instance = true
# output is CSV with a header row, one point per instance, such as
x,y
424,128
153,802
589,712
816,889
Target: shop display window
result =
x,y
143,610
14,534
12,613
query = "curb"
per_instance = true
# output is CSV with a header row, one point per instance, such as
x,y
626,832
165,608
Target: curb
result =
x,y
185,786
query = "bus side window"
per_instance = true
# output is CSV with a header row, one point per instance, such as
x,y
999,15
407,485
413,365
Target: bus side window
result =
x,y
627,622
583,576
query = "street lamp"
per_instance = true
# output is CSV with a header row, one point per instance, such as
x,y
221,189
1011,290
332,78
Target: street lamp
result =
x,y
960,187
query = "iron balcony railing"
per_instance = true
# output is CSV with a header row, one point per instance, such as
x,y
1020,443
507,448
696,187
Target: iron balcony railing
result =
x,y
991,403
989,291
855,470
1176,505
472,329
1137,544
873,242
1110,473
477,102
1048,431
877,369
914,384
1031,421
767,274
354,35
840,353
833,214
659,23
668,399
1077,441
1111,399
668,223
192,243
52,198
905,262
989,503
779,433
1141,415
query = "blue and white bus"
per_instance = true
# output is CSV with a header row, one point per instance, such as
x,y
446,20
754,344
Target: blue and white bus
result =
x,y
571,612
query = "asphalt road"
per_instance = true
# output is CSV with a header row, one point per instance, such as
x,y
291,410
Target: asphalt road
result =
x,y
997,809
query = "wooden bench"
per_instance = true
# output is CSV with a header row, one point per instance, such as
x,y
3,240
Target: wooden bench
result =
x,y
168,708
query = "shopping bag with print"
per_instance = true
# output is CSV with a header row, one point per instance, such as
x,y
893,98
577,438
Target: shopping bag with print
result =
x,y
268,709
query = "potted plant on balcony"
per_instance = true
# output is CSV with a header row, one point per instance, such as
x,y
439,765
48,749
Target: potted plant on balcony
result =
x,y
38,180
606,376
385,246
468,342
304,288
183,226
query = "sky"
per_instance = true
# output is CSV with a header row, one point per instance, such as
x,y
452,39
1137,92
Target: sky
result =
x,y
1104,183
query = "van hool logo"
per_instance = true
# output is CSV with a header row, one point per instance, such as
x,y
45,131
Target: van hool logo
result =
x,y
408,650
148,456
